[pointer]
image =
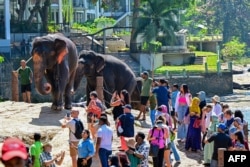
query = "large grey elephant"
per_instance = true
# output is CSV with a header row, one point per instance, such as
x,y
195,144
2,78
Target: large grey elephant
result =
x,y
55,57
116,74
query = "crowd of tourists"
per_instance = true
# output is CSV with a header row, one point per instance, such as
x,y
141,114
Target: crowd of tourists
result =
x,y
174,113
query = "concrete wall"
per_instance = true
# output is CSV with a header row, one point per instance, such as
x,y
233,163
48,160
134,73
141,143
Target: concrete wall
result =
x,y
177,58
211,83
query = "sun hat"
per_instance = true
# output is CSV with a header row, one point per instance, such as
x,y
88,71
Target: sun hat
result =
x,y
222,126
130,142
216,98
13,147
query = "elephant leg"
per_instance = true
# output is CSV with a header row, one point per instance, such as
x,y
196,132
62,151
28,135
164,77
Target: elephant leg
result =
x,y
67,93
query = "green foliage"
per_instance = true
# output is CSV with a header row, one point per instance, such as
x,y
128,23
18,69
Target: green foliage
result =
x,y
152,46
233,49
191,48
67,7
122,33
52,28
104,21
90,29
1,59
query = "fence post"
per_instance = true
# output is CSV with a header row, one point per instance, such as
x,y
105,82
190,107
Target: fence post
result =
x,y
14,85
218,66
184,72
167,74
221,157
230,66
99,87
206,67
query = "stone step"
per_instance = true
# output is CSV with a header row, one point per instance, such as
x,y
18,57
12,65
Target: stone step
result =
x,y
199,60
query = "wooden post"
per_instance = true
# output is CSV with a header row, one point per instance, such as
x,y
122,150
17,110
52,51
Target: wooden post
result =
x,y
221,157
14,85
99,87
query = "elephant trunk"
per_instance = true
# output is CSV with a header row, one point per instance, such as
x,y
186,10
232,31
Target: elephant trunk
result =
x,y
41,87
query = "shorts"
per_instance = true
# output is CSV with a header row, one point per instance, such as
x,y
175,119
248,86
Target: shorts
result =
x,y
73,150
25,88
168,146
144,100
172,112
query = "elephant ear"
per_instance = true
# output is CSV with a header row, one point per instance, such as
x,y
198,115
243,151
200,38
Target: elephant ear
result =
x,y
61,49
100,64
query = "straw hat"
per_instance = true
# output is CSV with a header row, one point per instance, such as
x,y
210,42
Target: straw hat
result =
x,y
130,143
216,98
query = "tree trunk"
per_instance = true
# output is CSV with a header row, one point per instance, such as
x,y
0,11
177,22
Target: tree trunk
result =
x,y
133,44
34,11
22,5
44,13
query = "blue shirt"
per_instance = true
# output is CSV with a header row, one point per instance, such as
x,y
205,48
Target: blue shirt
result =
x,y
162,95
85,148
127,122
173,97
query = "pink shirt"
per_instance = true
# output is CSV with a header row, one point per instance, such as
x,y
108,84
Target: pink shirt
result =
x,y
159,135
188,97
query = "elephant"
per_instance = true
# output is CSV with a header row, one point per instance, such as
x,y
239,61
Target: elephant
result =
x,y
55,57
116,74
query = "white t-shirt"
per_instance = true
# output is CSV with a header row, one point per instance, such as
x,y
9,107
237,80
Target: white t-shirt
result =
x,y
71,126
106,135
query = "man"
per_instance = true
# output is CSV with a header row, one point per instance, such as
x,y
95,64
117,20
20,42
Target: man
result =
x,y
47,159
145,93
228,115
73,141
162,93
104,141
127,123
14,153
174,93
221,140
26,76
141,149
35,150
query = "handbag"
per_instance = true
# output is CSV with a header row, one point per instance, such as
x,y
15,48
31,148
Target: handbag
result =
x,y
93,108
154,149
119,127
197,123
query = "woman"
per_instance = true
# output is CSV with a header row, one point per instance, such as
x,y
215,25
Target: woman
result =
x,y
85,150
239,143
239,114
183,100
118,101
92,116
193,142
157,136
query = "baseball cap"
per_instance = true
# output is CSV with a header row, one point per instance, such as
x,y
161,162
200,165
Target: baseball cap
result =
x,y
222,126
13,147
127,106
145,73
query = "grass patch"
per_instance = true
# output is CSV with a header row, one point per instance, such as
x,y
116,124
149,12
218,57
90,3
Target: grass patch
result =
x,y
211,59
242,61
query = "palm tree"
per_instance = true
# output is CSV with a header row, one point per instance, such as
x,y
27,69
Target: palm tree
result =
x,y
159,17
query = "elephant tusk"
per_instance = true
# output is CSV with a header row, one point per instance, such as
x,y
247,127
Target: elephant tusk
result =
x,y
45,71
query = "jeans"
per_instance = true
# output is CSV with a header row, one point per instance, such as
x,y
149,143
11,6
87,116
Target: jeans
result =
x,y
158,161
104,155
175,151
152,117
182,128
214,163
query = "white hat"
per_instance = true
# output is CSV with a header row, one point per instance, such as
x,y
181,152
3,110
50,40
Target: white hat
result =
x,y
216,98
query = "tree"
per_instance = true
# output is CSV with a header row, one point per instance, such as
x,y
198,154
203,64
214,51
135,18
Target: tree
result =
x,y
1,59
157,16
233,49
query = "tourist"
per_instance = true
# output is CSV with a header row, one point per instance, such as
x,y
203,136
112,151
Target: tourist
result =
x,y
123,159
239,143
174,94
221,140
183,100
141,150
28,162
94,110
208,148
73,141
152,104
239,114
134,161
193,141
46,158
26,76
238,124
14,153
145,93
217,109
202,97
163,111
85,150
126,122
118,101
205,122
104,141
156,136
228,115
224,108
162,93
36,149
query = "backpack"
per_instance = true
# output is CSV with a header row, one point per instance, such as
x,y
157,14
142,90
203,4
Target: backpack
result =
x,y
78,128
